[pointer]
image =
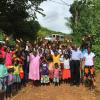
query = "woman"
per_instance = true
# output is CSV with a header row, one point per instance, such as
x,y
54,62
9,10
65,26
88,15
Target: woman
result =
x,y
34,73
89,72
8,58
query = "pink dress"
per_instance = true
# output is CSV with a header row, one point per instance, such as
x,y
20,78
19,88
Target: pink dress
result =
x,y
8,60
34,67
56,73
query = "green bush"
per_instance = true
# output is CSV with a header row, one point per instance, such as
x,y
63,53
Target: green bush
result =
x,y
96,50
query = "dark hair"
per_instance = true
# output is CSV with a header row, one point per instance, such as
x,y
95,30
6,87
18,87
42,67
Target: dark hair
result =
x,y
56,65
16,62
10,70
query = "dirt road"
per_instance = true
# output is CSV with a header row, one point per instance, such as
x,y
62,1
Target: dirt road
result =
x,y
62,92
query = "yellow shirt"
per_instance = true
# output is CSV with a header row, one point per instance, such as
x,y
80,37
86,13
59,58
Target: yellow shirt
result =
x,y
16,69
56,59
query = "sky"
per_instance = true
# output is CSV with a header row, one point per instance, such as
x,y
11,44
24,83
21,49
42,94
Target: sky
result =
x,y
56,11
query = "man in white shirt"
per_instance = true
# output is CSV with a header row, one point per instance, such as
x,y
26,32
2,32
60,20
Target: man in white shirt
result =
x,y
75,62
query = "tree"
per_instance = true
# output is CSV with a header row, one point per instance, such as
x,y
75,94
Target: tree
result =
x,y
85,17
15,17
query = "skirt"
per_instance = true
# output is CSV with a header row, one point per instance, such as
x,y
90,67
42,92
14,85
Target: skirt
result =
x,y
56,79
44,79
66,74
89,73
17,78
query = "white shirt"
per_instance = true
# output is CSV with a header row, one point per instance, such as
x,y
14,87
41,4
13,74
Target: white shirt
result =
x,y
76,55
66,64
89,59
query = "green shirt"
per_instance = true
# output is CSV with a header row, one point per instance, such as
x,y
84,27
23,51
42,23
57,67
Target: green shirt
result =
x,y
3,71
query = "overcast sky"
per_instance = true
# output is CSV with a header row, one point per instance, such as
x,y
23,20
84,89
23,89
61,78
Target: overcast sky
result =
x,y
55,11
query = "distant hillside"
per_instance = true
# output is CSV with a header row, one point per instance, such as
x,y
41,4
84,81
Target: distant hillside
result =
x,y
44,32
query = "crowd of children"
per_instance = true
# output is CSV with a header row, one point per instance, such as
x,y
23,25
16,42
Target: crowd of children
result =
x,y
44,63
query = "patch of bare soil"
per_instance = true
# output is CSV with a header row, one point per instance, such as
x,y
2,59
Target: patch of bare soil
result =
x,y
62,92
97,85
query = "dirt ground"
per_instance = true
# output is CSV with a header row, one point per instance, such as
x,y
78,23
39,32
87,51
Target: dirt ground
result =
x,y
62,92
97,85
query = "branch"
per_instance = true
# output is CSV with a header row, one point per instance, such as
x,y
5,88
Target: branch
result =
x,y
65,3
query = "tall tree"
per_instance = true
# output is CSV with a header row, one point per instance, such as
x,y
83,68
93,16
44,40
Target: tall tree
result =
x,y
85,16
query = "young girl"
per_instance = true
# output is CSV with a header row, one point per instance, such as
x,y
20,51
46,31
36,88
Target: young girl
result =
x,y
66,74
8,58
56,74
9,82
17,79
44,72
51,70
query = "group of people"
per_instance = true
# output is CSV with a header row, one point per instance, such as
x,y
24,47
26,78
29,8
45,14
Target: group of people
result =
x,y
46,63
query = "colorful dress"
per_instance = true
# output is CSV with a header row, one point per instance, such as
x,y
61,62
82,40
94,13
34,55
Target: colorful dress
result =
x,y
89,71
34,67
66,71
44,73
56,75
16,74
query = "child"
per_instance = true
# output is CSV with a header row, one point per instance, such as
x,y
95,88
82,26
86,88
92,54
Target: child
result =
x,y
56,74
66,74
16,74
44,72
9,82
51,70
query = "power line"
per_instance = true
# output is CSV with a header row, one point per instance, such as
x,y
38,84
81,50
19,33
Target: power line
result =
x,y
64,3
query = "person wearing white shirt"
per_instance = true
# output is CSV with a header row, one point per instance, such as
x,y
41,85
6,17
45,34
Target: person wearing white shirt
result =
x,y
76,56
66,74
89,71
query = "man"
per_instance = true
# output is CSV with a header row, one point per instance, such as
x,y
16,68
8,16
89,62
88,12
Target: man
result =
x,y
75,62
25,55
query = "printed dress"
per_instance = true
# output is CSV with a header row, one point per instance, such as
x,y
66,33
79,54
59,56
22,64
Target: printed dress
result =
x,y
44,73
89,70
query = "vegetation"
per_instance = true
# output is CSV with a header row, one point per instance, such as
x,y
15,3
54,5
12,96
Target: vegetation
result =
x,y
45,32
18,17
86,20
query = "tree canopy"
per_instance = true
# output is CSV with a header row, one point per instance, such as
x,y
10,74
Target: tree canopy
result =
x,y
85,17
18,17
